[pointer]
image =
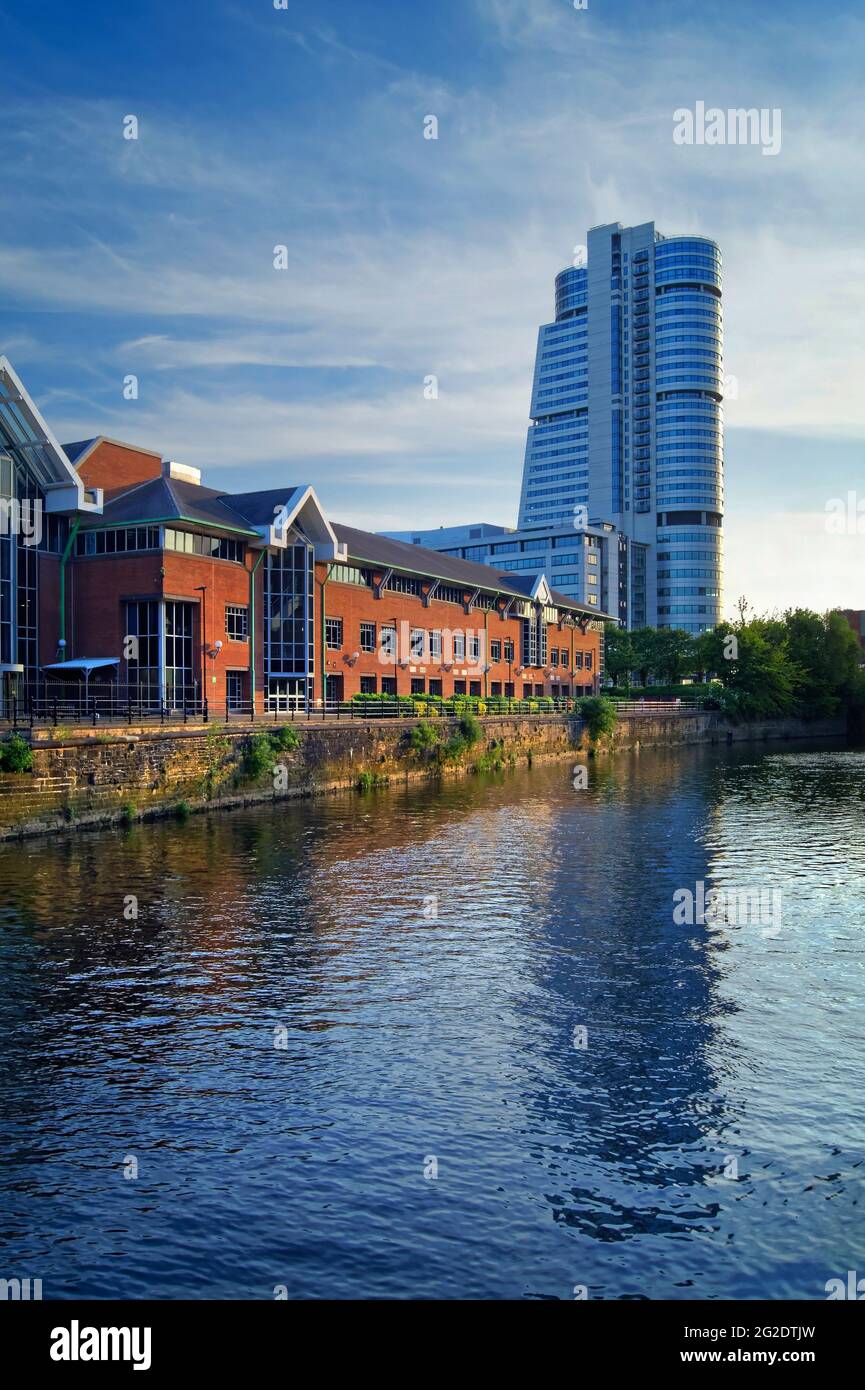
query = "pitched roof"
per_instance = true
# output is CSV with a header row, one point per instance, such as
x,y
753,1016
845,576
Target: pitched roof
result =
x,y
259,508
171,499
25,435
72,451
381,550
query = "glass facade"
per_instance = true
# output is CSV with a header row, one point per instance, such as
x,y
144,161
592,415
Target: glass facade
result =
x,y
21,536
689,429
627,416
555,475
162,662
289,634
181,678
144,644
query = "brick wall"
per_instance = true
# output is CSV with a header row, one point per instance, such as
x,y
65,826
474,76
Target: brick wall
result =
x,y
99,587
355,604
116,467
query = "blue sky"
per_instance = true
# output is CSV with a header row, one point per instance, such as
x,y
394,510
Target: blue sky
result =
x,y
408,257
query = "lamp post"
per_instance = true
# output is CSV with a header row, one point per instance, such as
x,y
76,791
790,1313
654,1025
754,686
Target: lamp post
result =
x,y
202,589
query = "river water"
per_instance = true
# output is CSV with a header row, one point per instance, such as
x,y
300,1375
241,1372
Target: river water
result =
x,y
340,1051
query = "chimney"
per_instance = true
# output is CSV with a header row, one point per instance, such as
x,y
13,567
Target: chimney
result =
x,y
183,472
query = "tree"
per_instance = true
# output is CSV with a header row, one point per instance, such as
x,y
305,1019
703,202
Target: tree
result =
x,y
704,656
798,662
619,659
674,654
644,646
758,676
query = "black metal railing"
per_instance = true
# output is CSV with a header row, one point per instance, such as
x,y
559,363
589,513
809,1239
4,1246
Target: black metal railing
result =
x,y
69,704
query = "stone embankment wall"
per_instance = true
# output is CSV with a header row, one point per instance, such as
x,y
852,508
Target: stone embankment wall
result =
x,y
86,777
94,778
650,731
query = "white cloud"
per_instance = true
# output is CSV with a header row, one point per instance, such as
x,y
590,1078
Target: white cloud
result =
x,y
409,257
789,560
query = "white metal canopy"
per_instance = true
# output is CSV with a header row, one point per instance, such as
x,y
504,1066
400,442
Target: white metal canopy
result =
x,y
84,664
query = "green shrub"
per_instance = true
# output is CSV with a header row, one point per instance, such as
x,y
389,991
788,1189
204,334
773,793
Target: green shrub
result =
x,y
260,751
257,755
708,693
454,748
286,739
182,810
128,813
470,729
423,737
16,755
491,761
368,781
598,713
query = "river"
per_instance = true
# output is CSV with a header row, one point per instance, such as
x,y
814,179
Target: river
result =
x,y
446,1041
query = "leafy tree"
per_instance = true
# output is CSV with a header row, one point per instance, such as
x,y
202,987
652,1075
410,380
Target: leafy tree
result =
x,y
644,641
673,654
619,656
704,654
599,713
758,676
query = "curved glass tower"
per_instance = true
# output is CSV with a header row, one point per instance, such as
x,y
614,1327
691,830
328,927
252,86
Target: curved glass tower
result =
x,y
627,418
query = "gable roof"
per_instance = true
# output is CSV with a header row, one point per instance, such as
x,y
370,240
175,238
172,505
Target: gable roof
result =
x,y
82,446
266,518
26,437
171,499
383,551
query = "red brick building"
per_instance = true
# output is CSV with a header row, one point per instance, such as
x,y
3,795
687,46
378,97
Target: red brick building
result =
x,y
258,600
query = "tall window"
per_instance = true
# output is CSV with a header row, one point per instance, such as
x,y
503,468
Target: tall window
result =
x,y
333,633
289,639
367,637
534,640
20,502
7,566
143,644
530,642
180,673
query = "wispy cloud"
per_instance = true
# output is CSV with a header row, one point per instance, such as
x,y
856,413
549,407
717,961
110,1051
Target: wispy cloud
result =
x,y
409,257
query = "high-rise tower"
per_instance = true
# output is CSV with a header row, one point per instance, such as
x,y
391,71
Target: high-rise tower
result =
x,y
627,418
